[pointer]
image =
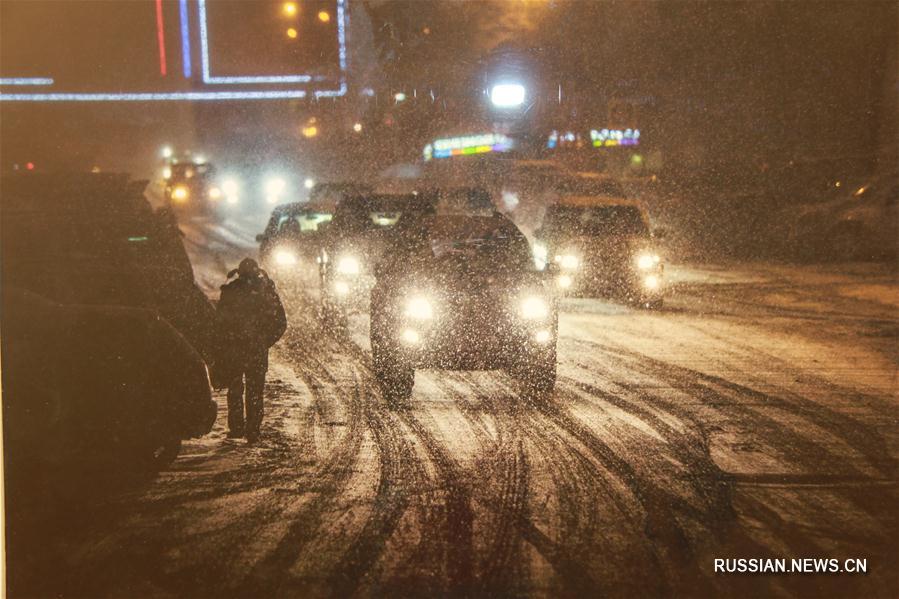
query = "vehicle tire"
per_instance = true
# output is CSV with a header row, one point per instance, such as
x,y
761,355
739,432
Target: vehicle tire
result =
x,y
154,456
395,378
165,454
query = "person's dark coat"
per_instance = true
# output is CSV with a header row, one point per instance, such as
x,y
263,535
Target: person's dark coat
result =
x,y
249,320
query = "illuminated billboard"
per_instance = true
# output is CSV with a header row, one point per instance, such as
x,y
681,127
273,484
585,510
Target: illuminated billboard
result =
x,y
467,145
164,50
603,138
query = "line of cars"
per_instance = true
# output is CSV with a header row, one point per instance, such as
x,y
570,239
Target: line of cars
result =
x,y
449,282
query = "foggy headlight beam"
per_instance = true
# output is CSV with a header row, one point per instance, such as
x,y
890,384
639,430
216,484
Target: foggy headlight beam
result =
x,y
419,308
647,261
285,258
568,261
348,266
533,308
180,193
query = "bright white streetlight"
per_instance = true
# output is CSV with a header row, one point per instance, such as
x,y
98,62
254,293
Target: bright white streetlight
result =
x,y
166,151
507,95
309,183
357,127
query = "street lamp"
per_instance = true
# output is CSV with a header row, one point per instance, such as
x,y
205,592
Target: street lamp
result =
x,y
507,95
290,8
166,151
309,183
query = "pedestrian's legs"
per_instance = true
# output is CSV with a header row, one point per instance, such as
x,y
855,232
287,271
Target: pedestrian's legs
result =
x,y
235,407
255,385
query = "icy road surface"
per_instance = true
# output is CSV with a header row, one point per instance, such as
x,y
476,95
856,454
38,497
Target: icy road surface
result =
x,y
754,416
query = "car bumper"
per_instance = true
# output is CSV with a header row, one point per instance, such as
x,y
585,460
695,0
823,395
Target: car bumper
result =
x,y
473,348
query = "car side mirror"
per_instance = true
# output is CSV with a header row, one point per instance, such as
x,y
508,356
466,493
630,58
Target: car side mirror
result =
x,y
260,237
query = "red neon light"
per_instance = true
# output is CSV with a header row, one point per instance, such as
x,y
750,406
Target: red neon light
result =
x,y
160,36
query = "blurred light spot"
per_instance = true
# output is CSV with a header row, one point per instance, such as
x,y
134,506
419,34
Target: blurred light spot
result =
x,y
507,95
565,281
95,169
324,16
310,131
651,282
411,336
180,193
860,190
309,183
29,166
357,127
542,336
292,33
285,258
399,97
837,184
510,200
289,8
166,152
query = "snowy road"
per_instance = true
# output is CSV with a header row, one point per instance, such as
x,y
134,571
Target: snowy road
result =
x,y
754,416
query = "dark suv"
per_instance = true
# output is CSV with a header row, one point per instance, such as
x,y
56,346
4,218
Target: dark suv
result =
x,y
462,292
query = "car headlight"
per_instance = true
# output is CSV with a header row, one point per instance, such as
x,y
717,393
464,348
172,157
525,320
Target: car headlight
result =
x,y
419,308
534,307
285,258
568,261
341,287
348,266
647,261
180,193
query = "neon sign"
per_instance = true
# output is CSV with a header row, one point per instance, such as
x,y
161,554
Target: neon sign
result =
x,y
614,137
115,54
468,145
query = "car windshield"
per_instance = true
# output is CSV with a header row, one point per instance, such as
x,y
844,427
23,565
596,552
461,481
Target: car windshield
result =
x,y
595,221
483,246
303,222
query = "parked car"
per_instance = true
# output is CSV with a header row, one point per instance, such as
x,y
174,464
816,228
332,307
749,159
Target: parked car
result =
x,y
105,331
